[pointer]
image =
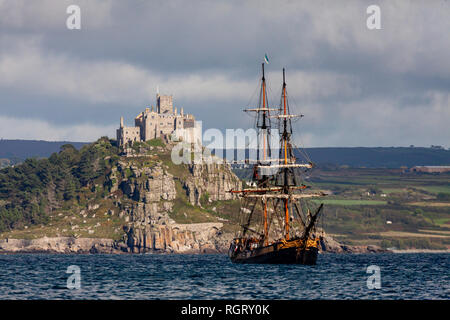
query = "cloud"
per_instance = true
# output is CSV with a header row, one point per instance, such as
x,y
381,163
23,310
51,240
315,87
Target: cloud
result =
x,y
34,70
48,15
375,122
355,86
33,129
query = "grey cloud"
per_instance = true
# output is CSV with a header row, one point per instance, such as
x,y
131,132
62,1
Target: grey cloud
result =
x,y
208,53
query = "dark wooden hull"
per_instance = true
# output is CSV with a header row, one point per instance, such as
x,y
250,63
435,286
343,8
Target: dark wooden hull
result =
x,y
276,254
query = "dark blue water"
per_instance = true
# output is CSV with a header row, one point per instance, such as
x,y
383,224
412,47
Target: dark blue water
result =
x,y
43,276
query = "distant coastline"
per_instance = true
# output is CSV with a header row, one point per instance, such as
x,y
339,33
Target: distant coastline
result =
x,y
421,251
370,157
72,245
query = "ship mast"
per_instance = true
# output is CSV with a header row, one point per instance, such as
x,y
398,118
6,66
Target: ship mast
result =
x,y
263,124
280,188
284,139
287,157
264,136
263,119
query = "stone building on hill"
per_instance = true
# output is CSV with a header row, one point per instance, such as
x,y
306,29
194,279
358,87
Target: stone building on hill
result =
x,y
163,121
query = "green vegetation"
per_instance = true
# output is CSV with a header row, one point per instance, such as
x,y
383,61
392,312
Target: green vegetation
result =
x,y
184,212
371,205
181,171
442,189
349,202
32,190
157,142
204,199
443,196
386,207
420,243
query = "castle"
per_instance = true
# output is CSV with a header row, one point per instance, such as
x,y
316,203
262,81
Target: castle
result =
x,y
164,122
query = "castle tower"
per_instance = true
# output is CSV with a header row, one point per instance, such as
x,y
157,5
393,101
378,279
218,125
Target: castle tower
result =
x,y
164,104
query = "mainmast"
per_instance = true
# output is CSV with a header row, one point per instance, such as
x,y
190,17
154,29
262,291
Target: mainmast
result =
x,y
285,139
287,157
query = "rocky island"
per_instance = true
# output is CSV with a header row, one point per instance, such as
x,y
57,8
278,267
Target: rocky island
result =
x,y
138,202
99,200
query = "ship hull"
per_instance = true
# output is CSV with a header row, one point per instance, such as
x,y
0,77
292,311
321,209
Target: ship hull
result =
x,y
275,254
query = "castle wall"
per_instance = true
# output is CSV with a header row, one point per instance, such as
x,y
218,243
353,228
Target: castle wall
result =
x,y
166,124
153,124
128,135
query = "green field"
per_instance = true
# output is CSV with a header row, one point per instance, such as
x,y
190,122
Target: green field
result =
x,y
436,189
363,201
442,221
350,202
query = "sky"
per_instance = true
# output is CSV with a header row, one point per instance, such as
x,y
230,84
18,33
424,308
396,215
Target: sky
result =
x,y
354,86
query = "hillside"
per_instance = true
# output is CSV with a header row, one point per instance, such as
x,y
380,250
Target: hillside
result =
x,y
368,157
386,207
96,199
379,206
381,157
142,201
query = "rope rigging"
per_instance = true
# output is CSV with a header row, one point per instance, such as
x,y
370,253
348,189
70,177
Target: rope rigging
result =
x,y
284,205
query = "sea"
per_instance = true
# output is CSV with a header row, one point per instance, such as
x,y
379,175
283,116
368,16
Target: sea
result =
x,y
155,276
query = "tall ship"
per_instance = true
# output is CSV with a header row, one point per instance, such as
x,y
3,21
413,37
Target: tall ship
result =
x,y
278,223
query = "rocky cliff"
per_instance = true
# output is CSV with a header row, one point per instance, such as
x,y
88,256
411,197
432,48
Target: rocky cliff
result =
x,y
212,180
176,238
329,245
59,245
99,199
148,197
